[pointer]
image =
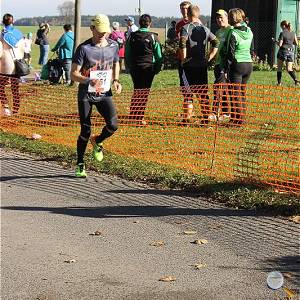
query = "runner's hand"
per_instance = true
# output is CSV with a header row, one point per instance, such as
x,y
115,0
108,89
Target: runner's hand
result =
x,y
117,86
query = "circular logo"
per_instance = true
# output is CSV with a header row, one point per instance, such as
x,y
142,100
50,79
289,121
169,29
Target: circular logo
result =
x,y
275,280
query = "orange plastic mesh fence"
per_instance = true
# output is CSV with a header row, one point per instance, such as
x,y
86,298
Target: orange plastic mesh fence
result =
x,y
253,134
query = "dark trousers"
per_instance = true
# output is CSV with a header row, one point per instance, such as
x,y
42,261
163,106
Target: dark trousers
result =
x,y
239,75
14,85
142,80
195,81
221,94
107,110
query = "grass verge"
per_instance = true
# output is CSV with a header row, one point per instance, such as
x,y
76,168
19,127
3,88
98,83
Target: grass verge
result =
x,y
232,194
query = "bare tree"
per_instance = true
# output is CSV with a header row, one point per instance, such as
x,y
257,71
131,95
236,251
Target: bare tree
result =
x,y
67,10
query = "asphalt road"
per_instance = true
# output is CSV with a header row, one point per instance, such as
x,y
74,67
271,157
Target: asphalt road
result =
x,y
47,216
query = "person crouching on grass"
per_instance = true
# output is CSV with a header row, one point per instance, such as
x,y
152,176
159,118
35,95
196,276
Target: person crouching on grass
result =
x,y
95,65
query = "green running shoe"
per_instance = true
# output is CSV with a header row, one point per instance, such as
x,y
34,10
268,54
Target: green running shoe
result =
x,y
80,171
97,149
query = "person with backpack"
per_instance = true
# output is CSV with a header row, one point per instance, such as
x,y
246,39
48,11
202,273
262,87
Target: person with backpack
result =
x,y
64,47
118,36
11,48
144,59
96,66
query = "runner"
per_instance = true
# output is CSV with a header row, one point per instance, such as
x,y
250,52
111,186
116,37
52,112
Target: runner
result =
x,y
194,38
286,41
221,104
95,65
239,43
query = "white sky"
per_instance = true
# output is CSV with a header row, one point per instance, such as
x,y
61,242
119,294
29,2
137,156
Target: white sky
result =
x,y
158,8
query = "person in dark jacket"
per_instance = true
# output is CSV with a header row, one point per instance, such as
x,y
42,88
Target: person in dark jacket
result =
x,y
64,46
239,63
286,41
144,59
43,42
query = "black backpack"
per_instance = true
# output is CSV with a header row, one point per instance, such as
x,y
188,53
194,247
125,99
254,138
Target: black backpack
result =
x,y
142,46
55,70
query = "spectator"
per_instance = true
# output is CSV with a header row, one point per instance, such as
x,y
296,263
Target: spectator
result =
x,y
193,41
239,62
43,42
11,48
286,53
118,36
64,47
171,34
220,96
144,59
131,27
27,47
95,65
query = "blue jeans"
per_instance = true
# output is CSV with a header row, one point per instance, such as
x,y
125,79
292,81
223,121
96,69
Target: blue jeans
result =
x,y
66,65
44,50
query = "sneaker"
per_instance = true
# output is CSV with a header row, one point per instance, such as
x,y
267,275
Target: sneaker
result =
x,y
224,118
97,149
80,171
212,118
279,84
297,82
6,112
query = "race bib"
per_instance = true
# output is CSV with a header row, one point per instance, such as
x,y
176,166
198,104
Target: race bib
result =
x,y
103,78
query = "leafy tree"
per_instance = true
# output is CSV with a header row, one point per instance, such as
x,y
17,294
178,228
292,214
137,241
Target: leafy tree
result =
x,y
67,11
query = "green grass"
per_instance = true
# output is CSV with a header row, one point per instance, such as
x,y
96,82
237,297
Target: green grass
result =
x,y
232,194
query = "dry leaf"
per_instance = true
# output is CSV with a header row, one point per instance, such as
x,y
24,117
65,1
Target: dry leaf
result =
x,y
295,219
157,243
97,232
167,278
69,261
290,293
288,274
199,266
136,222
190,232
200,242
218,226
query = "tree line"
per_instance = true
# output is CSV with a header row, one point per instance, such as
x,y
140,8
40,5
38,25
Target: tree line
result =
x,y
157,22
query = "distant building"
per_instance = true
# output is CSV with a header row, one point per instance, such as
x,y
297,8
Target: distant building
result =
x,y
265,17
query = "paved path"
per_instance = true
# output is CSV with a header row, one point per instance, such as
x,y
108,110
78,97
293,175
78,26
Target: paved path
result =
x,y
47,216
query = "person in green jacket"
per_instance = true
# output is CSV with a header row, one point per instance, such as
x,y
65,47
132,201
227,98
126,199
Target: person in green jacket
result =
x,y
239,63
64,48
143,56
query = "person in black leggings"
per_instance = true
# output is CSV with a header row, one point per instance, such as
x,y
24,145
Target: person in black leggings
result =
x,y
95,65
239,63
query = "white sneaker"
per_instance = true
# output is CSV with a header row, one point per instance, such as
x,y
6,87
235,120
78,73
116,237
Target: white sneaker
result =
x,y
212,118
224,118
6,112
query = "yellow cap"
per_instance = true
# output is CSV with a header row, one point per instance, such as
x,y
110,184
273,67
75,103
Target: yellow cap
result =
x,y
101,23
221,12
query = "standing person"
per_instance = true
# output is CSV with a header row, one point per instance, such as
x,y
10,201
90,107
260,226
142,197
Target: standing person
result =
x,y
286,53
11,48
239,63
194,38
118,36
43,42
27,47
95,65
171,34
131,27
220,96
144,59
65,46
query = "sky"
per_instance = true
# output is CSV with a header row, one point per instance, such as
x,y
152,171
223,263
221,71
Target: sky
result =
x,y
158,8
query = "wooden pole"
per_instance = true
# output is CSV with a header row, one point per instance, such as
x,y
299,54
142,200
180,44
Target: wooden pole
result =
x,y
77,22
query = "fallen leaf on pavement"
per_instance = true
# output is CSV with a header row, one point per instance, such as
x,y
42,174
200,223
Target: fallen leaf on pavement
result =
x,y
200,242
288,274
199,266
97,232
190,232
136,222
167,278
295,219
157,243
69,261
290,293
218,226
